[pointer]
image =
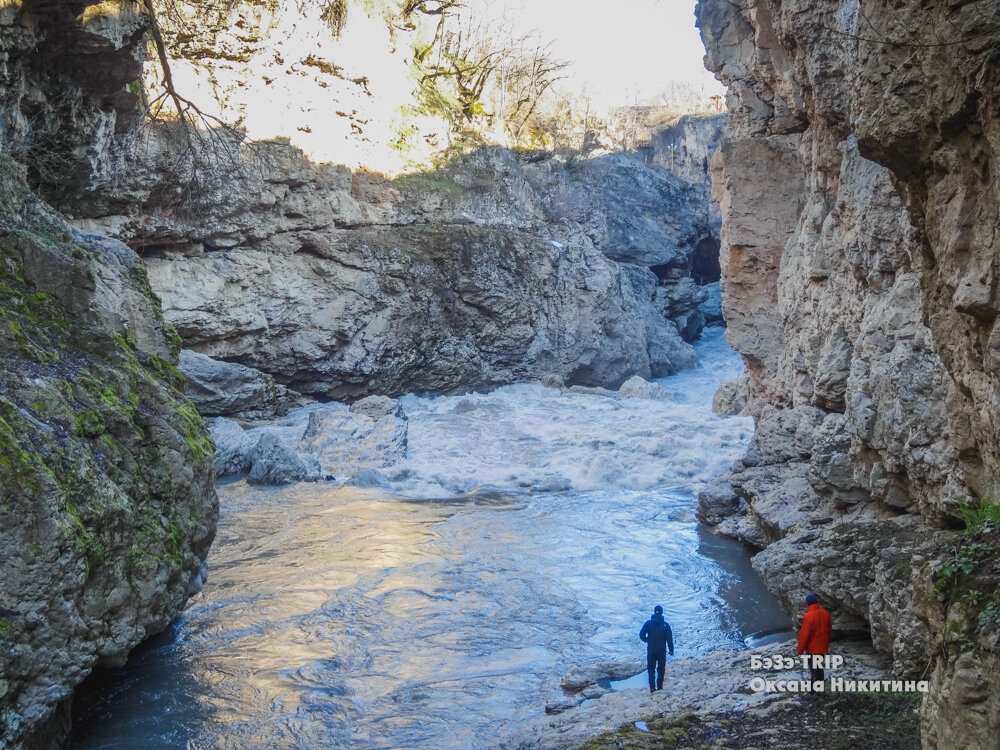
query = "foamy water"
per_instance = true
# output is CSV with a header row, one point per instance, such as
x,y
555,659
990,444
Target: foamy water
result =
x,y
528,437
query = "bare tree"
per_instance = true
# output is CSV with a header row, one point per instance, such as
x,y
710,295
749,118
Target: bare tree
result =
x,y
485,71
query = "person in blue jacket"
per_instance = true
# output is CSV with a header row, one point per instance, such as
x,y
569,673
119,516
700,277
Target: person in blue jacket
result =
x,y
659,639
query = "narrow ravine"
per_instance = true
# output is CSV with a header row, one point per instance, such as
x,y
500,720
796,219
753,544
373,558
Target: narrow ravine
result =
x,y
530,531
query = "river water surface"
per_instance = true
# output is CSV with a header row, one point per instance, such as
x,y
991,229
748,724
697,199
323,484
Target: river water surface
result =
x,y
528,532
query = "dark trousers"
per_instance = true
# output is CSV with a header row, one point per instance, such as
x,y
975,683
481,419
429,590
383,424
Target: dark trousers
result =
x,y
816,675
656,662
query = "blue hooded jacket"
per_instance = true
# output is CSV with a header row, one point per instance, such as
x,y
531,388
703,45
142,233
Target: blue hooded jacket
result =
x,y
657,636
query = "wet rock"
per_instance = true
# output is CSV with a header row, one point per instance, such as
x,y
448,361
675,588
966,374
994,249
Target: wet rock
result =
x,y
580,677
232,447
273,463
345,443
551,380
552,484
636,387
465,406
584,390
226,389
367,478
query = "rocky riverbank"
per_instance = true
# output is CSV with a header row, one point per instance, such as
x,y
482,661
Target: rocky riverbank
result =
x,y
705,700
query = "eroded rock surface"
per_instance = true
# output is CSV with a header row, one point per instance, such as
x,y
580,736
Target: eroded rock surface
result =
x,y
106,471
490,271
225,389
858,259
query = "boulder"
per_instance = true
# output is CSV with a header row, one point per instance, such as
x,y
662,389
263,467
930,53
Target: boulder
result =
x,y
232,447
346,443
377,407
227,389
273,462
636,387
368,478
551,380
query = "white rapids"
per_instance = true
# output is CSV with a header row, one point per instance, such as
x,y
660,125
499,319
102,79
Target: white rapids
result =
x,y
529,437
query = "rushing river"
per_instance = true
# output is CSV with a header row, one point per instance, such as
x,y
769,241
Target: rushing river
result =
x,y
528,532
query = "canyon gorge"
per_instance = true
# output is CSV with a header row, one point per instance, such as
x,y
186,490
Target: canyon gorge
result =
x,y
308,232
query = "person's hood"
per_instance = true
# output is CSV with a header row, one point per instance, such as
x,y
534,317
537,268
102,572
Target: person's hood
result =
x,y
657,617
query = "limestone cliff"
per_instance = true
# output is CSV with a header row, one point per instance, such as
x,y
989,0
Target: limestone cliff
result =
x,y
491,270
859,194
688,149
337,282
107,504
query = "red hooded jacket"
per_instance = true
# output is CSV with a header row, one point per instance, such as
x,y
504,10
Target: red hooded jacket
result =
x,y
814,635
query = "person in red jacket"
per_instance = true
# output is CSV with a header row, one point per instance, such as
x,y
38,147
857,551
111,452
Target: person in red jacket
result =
x,y
814,635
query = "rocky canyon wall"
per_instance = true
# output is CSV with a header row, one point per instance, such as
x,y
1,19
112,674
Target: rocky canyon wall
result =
x,y
107,499
336,282
859,189
490,270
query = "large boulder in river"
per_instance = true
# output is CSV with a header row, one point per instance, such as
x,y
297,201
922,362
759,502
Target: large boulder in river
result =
x,y
636,387
228,389
345,443
273,462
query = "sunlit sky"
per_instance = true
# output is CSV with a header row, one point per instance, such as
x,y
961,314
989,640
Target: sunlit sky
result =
x,y
623,51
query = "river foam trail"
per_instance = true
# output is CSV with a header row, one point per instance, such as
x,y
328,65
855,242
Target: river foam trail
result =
x,y
528,532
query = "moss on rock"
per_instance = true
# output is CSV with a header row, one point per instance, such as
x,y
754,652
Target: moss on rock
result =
x,y
106,469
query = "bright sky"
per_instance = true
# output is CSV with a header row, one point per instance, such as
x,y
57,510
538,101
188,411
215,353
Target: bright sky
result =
x,y
624,51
